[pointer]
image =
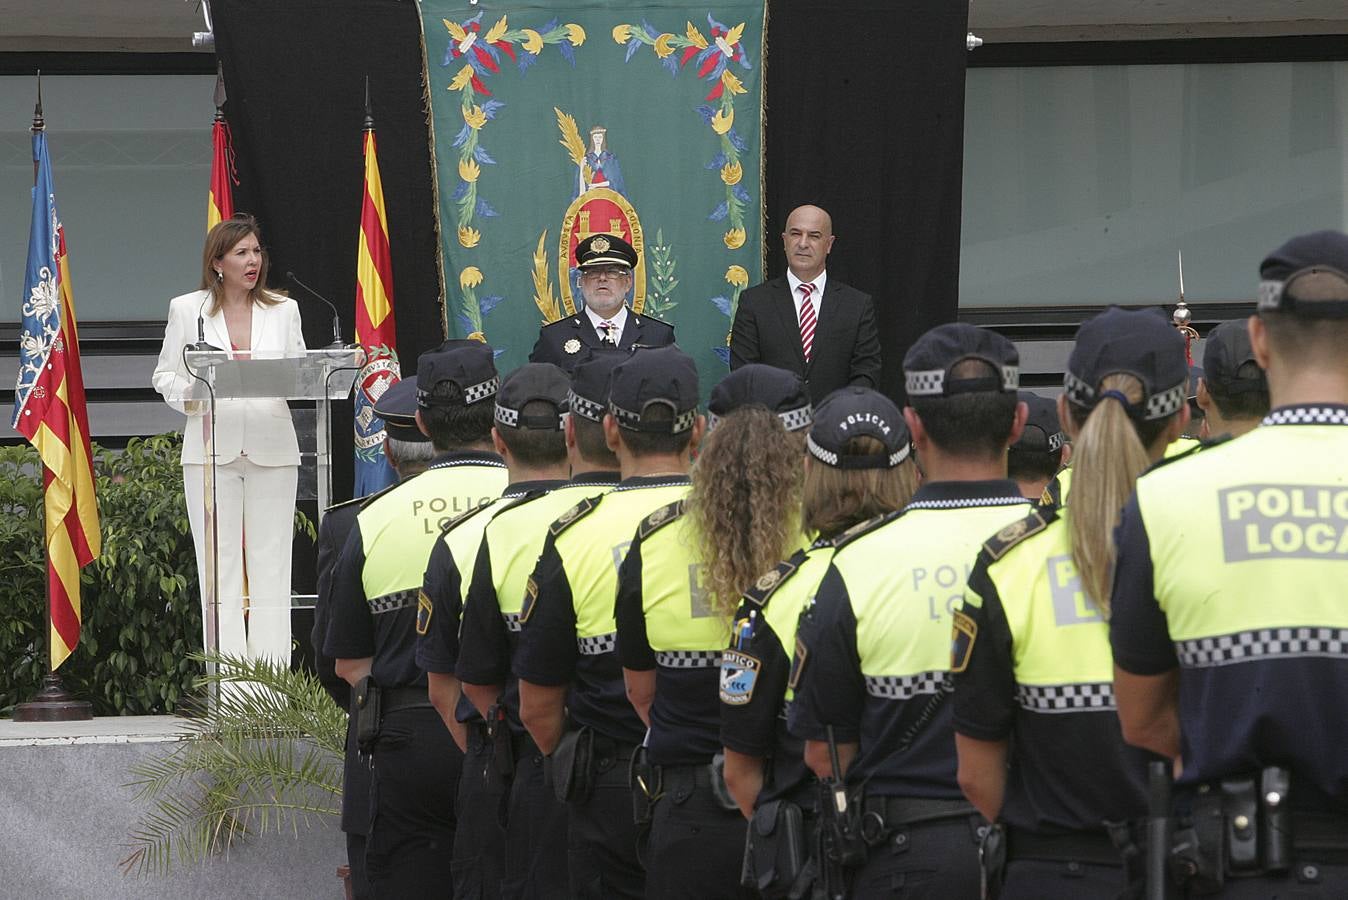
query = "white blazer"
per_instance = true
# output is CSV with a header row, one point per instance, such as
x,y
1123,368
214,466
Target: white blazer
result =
x,y
262,430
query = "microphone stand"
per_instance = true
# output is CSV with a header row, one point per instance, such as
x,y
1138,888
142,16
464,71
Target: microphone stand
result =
x,y
337,342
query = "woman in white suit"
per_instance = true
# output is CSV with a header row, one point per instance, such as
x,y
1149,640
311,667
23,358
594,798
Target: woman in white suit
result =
x,y
257,455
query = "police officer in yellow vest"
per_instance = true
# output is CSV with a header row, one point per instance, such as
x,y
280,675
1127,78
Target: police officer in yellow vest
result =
x,y
373,631
530,416
670,634
535,828
855,469
1033,671
1229,624
874,657
567,641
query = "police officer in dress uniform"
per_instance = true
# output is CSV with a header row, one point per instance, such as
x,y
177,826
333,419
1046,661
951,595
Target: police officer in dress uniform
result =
x,y
530,413
858,465
567,636
408,450
1233,392
1033,671
1034,460
670,636
373,630
535,822
874,654
606,262
1229,626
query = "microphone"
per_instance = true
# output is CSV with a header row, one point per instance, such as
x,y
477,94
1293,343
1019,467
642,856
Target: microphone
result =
x,y
201,329
337,342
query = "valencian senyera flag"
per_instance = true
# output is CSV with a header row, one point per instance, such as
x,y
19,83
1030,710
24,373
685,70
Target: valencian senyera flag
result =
x,y
374,329
49,410
220,200
554,123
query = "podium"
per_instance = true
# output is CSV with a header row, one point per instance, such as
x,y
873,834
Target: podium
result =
x,y
318,375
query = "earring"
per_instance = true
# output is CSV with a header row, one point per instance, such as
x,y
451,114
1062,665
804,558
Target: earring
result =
x,y
219,275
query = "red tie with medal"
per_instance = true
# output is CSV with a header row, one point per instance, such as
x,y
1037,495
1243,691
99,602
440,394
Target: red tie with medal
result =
x,y
807,320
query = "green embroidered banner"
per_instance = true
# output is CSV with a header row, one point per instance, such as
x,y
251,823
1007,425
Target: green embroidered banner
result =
x,y
551,125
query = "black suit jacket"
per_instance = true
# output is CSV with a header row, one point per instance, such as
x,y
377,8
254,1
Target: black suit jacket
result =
x,y
846,342
553,338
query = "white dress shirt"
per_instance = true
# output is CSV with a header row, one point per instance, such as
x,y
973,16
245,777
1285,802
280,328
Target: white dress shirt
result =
x,y
619,321
815,296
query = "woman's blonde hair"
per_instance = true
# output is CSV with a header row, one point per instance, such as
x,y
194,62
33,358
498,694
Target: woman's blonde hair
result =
x,y
219,241
1109,452
836,499
745,501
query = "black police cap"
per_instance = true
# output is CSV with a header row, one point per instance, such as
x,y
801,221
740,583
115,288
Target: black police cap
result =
x,y
533,383
397,406
664,376
769,387
1141,343
1043,432
1225,351
927,364
1307,277
858,412
588,397
469,365
605,250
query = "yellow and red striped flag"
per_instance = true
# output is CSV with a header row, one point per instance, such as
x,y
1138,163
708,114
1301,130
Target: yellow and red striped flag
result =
x,y
220,200
375,331
49,409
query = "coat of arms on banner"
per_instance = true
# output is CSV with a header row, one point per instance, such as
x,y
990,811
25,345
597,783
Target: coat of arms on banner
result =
x,y
546,132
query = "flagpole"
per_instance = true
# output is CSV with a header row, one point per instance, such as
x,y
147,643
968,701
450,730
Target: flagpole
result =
x,y
52,702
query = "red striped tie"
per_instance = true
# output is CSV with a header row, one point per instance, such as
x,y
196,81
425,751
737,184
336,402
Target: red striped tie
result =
x,y
807,320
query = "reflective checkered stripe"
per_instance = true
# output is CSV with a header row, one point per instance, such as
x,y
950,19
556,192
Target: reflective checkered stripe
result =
x,y
393,602
1261,644
512,621
688,659
598,644
1061,698
1165,403
585,408
956,504
902,687
1308,415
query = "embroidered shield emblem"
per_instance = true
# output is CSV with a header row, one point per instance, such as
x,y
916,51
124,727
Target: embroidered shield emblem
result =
x,y
739,674
530,598
424,610
962,641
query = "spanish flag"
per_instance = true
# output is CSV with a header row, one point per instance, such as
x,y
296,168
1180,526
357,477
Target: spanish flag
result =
x,y
220,200
49,408
375,331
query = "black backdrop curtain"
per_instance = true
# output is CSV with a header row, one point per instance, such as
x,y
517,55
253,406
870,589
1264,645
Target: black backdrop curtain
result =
x,y
865,117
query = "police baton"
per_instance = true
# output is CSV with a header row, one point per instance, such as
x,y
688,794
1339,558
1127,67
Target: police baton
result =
x,y
1158,829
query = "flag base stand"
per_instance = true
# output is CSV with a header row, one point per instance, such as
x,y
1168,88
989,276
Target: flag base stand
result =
x,y
53,703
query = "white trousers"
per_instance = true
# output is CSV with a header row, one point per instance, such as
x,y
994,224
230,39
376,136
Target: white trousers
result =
x,y
255,512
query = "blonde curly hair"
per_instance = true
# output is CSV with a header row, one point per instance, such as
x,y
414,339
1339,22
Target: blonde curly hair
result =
x,y
745,501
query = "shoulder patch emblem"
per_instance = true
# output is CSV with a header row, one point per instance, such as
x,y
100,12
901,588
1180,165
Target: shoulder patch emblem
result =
x,y
962,641
797,664
862,528
572,515
739,674
660,518
530,598
997,545
424,610
768,583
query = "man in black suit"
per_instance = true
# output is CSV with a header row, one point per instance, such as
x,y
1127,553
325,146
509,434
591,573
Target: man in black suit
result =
x,y
806,322
605,262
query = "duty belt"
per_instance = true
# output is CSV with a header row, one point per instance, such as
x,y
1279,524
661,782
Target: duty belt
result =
x,y
1078,846
1320,837
398,698
881,815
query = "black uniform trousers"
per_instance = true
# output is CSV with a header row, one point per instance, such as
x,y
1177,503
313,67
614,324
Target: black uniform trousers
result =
x,y
536,863
695,847
480,838
935,860
601,836
416,775
1043,879
356,787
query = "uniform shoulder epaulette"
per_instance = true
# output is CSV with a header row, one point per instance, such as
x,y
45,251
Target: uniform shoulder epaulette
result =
x,y
574,515
1203,444
863,528
670,512
370,498
352,502
1011,535
573,320
768,583
462,517
650,318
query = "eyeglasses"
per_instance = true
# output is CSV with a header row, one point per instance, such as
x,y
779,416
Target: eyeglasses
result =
x,y
614,272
